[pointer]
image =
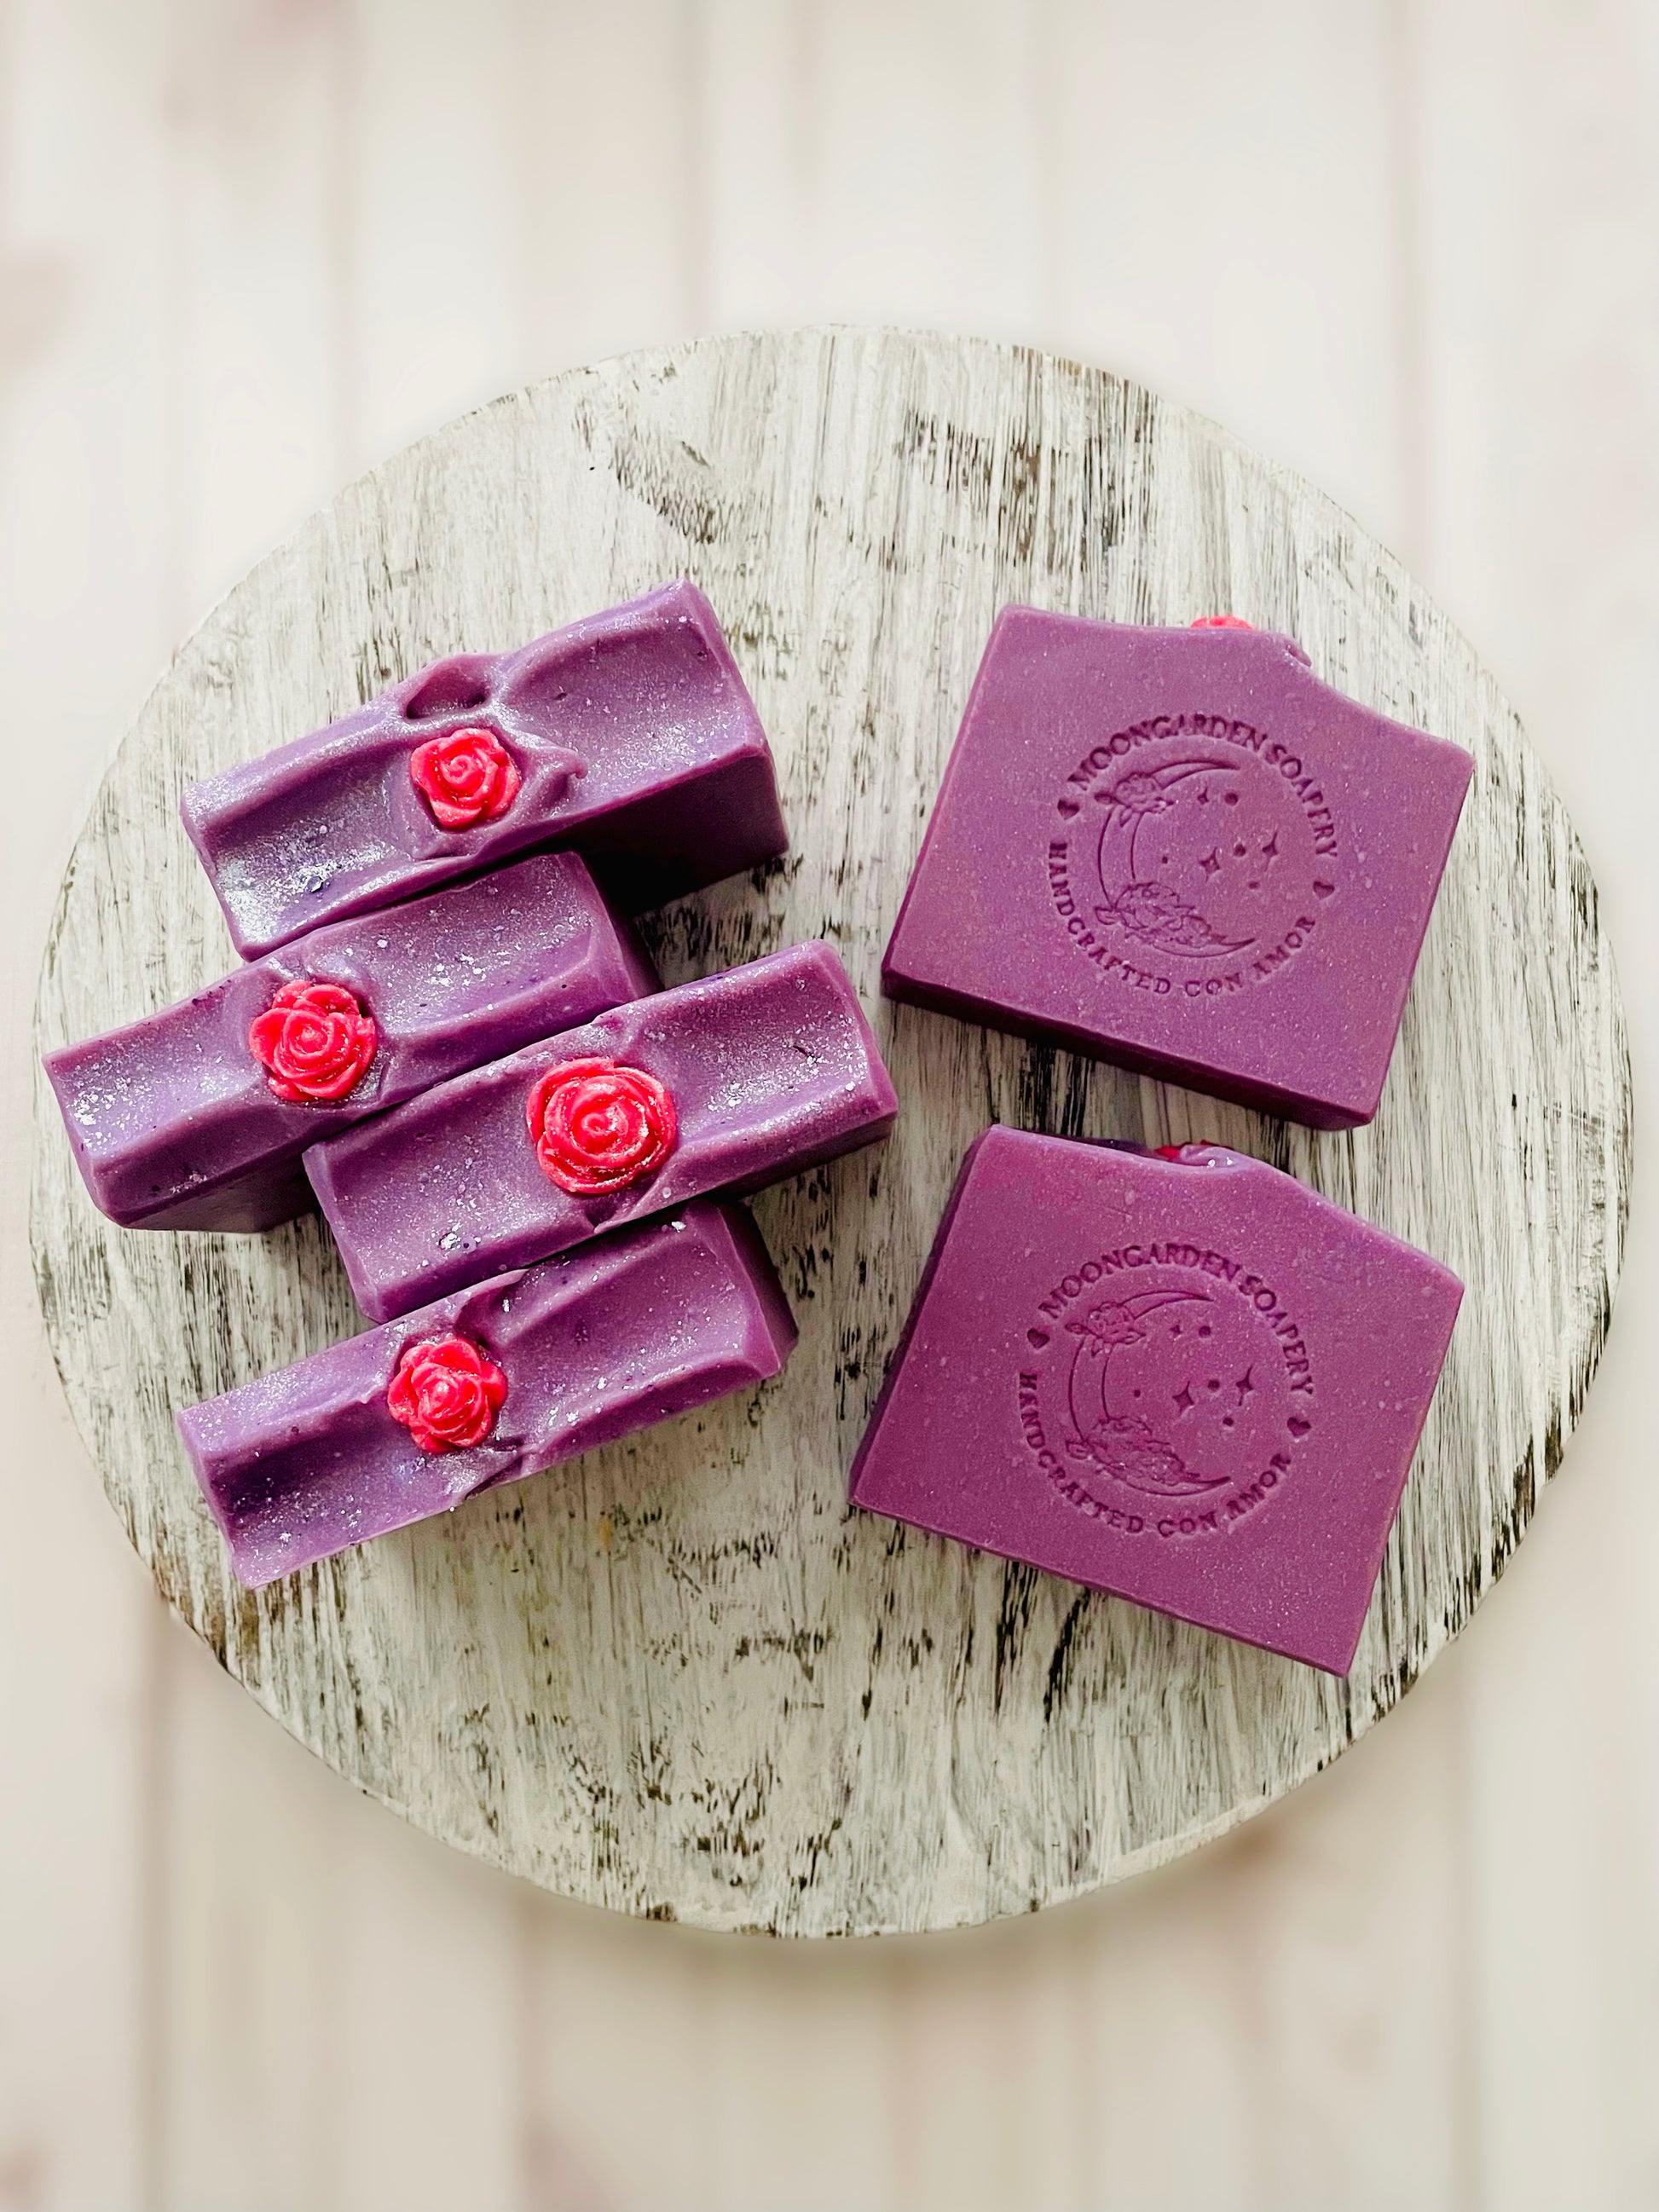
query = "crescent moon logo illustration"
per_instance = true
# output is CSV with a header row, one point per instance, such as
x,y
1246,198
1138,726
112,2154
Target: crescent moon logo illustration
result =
x,y
1124,1445
1153,914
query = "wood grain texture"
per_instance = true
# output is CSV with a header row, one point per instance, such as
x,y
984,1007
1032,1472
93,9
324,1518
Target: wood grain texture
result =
x,y
679,1679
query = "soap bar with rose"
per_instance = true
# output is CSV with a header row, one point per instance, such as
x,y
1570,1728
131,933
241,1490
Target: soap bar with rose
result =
x,y
1179,850
628,737
486,1387
196,1118
1184,1378
717,1086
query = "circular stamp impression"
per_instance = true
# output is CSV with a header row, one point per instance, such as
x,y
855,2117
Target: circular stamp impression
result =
x,y
1165,1390
1192,854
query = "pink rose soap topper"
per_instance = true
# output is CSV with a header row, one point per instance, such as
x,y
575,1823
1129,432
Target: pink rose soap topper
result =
x,y
1183,1377
1179,850
715,1087
629,737
465,778
446,1393
314,1041
598,1126
502,1381
195,1118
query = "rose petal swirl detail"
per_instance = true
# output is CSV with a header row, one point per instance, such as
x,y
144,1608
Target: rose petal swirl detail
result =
x,y
446,1393
315,1043
598,1125
1221,622
466,777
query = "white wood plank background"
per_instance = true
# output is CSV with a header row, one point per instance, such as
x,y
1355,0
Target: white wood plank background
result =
x,y
248,247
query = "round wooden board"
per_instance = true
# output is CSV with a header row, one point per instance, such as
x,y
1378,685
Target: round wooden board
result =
x,y
679,1678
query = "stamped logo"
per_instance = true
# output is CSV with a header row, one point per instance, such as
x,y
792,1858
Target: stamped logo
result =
x,y
1192,855
1166,1390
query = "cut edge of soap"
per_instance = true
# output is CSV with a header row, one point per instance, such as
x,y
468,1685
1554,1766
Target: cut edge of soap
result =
x,y
908,988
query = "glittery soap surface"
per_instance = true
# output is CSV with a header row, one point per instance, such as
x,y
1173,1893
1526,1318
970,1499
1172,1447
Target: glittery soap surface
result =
x,y
174,1123
302,1462
770,1069
630,732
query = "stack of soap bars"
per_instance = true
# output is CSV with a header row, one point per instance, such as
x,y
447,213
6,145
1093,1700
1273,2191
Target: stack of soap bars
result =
x,y
445,1030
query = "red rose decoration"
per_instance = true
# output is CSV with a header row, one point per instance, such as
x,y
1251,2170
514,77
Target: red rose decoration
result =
x,y
446,1393
598,1127
1221,622
315,1041
465,778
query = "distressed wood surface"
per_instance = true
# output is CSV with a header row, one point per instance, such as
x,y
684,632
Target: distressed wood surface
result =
x,y
678,1679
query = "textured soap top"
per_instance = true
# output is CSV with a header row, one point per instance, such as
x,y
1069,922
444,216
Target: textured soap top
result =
x,y
504,1381
196,1117
719,1085
1191,1381
1179,850
628,736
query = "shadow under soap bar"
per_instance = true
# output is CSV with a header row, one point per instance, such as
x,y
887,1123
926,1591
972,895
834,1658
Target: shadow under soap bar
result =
x,y
629,737
1190,1380
504,1381
720,1085
176,1121
1179,850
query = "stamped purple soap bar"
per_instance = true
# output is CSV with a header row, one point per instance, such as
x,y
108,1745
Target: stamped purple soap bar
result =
x,y
1187,1380
1179,850
721,1086
196,1118
481,1389
629,737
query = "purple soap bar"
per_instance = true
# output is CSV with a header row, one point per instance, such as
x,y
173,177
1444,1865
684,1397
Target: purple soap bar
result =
x,y
177,1122
1189,1381
722,1085
629,737
500,1383
1178,849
